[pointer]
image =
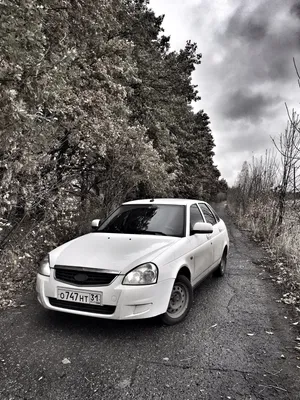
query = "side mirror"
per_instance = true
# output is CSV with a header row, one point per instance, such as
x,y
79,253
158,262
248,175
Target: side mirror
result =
x,y
202,227
95,224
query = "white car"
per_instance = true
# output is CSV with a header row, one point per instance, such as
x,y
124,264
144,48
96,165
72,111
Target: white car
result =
x,y
144,260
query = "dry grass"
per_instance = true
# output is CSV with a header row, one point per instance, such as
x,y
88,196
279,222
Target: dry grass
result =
x,y
283,244
287,243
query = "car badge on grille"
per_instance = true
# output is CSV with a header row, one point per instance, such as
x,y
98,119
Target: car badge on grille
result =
x,y
81,277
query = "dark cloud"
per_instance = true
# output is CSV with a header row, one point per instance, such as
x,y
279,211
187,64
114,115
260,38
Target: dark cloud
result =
x,y
243,104
249,27
254,30
295,9
261,41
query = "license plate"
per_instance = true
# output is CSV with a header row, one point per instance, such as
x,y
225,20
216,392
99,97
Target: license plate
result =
x,y
79,296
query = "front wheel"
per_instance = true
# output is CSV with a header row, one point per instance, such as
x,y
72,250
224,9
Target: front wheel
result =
x,y
180,301
220,271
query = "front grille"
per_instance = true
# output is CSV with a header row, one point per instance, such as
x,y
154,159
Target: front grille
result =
x,y
92,308
92,278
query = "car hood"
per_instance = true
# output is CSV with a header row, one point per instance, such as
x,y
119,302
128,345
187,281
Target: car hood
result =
x,y
116,252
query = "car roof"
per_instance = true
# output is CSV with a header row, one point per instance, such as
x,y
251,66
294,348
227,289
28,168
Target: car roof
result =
x,y
182,202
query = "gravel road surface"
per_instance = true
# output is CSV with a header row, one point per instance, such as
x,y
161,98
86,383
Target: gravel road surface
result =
x,y
237,343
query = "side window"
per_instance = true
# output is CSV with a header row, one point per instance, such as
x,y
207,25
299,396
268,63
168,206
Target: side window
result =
x,y
208,215
214,213
196,216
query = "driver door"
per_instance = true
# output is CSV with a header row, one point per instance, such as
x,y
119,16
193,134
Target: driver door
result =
x,y
217,237
201,246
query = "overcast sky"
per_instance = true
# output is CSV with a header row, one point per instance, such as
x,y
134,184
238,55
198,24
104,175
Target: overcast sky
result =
x,y
247,71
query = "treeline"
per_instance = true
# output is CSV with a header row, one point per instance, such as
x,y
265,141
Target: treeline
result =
x,y
95,110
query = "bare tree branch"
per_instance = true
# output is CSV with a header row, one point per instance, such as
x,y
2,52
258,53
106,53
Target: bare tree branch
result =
x,y
297,72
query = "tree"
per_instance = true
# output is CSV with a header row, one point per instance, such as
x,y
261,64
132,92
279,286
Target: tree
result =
x,y
199,177
288,147
96,110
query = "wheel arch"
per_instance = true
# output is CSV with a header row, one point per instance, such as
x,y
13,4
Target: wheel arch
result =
x,y
185,271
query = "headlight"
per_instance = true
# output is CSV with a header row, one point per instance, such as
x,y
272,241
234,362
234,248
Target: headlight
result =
x,y
145,274
44,268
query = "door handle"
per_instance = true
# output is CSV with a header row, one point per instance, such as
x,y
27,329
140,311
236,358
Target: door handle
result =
x,y
208,236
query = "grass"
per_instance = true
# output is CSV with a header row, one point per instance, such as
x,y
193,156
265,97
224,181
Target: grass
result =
x,y
282,243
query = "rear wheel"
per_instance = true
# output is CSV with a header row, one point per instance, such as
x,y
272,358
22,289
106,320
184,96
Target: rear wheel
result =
x,y
180,301
220,271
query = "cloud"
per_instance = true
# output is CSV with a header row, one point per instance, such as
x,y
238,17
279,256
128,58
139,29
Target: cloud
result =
x,y
247,70
246,26
244,104
241,136
295,9
260,41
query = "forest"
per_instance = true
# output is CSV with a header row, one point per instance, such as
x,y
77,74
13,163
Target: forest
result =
x,y
96,110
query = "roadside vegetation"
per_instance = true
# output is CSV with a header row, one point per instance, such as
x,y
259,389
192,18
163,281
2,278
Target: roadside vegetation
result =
x,y
95,110
266,201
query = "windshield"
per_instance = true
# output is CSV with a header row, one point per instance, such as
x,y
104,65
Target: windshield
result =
x,y
166,220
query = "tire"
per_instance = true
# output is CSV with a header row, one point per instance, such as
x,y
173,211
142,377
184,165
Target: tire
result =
x,y
180,301
220,271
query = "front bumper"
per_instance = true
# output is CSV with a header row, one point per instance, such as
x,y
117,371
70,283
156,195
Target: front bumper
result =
x,y
129,302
